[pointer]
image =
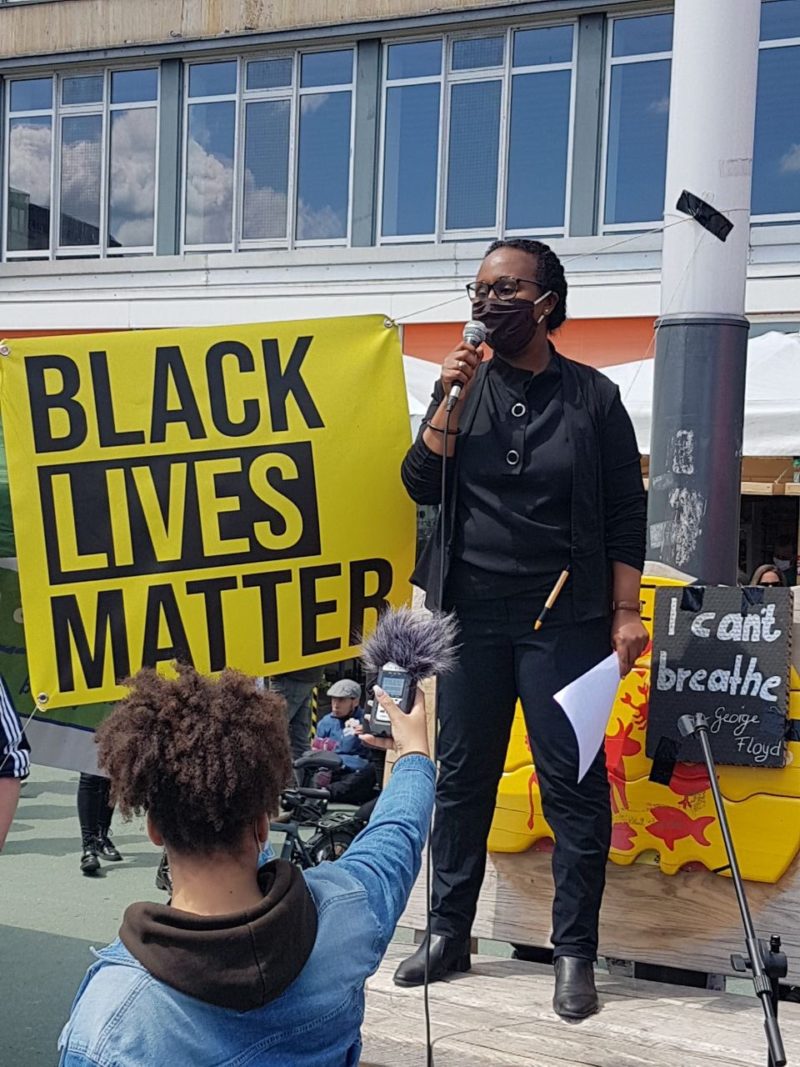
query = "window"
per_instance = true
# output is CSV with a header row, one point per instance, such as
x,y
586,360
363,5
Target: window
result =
x,y
776,153
82,163
268,151
476,135
637,118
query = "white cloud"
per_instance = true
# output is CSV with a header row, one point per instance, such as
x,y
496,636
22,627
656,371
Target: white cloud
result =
x,y
29,162
319,223
209,196
314,102
132,173
209,190
659,107
133,179
790,162
80,177
264,213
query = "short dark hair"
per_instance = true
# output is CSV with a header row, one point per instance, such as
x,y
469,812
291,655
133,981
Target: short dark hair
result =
x,y
549,273
203,757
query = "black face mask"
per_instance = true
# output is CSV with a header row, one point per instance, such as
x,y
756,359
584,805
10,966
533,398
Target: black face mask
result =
x,y
510,324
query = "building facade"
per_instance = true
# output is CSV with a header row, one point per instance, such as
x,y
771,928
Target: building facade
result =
x,y
173,164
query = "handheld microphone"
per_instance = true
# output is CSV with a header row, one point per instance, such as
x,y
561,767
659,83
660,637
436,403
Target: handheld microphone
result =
x,y
474,334
407,647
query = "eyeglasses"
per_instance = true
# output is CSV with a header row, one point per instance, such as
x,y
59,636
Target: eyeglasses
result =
x,y
503,288
770,585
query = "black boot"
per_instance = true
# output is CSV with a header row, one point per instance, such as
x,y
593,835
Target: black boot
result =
x,y
90,864
106,847
575,996
447,955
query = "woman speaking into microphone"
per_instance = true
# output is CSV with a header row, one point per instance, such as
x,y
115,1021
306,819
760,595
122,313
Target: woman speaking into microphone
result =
x,y
543,477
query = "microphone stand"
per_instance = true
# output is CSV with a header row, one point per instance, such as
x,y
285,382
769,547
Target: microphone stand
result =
x,y
766,963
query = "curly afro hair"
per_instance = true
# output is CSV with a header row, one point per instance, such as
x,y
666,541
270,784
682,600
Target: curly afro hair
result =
x,y
203,757
549,273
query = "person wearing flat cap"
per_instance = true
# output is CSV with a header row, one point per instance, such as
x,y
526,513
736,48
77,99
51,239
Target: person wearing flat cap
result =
x,y
339,732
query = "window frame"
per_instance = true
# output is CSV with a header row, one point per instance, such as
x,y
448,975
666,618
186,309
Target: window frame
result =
x,y
787,216
241,97
57,112
51,112
645,225
447,78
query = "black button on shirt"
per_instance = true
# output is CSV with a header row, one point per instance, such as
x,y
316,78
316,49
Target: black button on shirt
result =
x,y
515,487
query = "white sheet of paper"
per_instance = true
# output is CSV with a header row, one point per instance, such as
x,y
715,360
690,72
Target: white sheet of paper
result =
x,y
587,703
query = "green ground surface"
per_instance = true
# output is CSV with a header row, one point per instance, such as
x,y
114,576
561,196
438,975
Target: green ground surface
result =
x,y
51,915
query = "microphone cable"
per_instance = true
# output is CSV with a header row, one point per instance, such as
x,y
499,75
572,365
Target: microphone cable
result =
x,y
429,851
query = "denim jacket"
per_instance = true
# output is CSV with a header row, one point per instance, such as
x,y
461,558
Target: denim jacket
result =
x,y
123,1016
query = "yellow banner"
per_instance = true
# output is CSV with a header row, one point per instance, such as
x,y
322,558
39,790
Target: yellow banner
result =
x,y
225,495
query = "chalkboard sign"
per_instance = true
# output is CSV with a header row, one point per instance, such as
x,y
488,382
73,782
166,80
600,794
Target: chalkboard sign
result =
x,y
726,652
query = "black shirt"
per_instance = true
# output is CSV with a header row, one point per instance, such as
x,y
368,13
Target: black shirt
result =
x,y
607,514
515,487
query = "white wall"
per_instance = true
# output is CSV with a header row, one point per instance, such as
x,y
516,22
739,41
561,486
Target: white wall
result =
x,y
610,277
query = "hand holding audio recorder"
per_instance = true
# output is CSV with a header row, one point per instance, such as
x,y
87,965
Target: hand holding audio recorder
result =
x,y
407,647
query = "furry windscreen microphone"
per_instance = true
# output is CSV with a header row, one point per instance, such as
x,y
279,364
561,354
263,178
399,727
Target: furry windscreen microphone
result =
x,y
420,644
406,647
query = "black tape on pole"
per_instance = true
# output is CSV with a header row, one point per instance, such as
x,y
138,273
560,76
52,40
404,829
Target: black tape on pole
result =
x,y
708,217
664,761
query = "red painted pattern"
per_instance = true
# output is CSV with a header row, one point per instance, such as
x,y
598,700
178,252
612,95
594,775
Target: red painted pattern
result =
x,y
622,837
618,746
673,825
689,779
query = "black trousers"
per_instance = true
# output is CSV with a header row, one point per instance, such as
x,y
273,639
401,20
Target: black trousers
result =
x,y
94,811
501,659
353,787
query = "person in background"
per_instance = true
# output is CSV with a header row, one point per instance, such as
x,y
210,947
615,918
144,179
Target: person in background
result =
x,y
785,560
768,575
15,761
94,815
243,965
339,732
297,689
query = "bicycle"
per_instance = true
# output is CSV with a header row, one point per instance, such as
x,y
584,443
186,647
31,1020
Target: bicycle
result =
x,y
307,808
333,833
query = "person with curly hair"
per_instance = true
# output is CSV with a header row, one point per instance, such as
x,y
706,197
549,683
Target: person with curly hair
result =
x,y
544,478
244,964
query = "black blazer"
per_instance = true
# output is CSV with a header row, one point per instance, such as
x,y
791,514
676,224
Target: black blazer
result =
x,y
609,507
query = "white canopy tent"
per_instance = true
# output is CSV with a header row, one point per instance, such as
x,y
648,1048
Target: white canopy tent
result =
x,y
772,399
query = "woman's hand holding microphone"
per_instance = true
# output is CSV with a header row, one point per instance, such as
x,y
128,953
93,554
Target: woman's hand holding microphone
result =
x,y
459,368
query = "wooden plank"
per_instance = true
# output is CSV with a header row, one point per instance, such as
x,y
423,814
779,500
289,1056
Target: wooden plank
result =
x,y
686,920
501,1013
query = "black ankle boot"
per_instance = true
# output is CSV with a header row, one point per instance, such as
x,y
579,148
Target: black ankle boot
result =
x,y
90,864
107,849
447,955
575,996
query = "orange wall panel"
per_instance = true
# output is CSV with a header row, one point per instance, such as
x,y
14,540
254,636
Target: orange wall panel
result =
x,y
599,342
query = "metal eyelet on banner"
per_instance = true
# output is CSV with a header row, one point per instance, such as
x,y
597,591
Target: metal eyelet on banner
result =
x,y
512,457
518,410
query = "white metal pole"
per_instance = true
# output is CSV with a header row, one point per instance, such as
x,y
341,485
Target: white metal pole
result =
x,y
701,341
710,152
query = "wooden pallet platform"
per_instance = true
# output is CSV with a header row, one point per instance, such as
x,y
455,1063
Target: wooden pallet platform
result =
x,y
500,1013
